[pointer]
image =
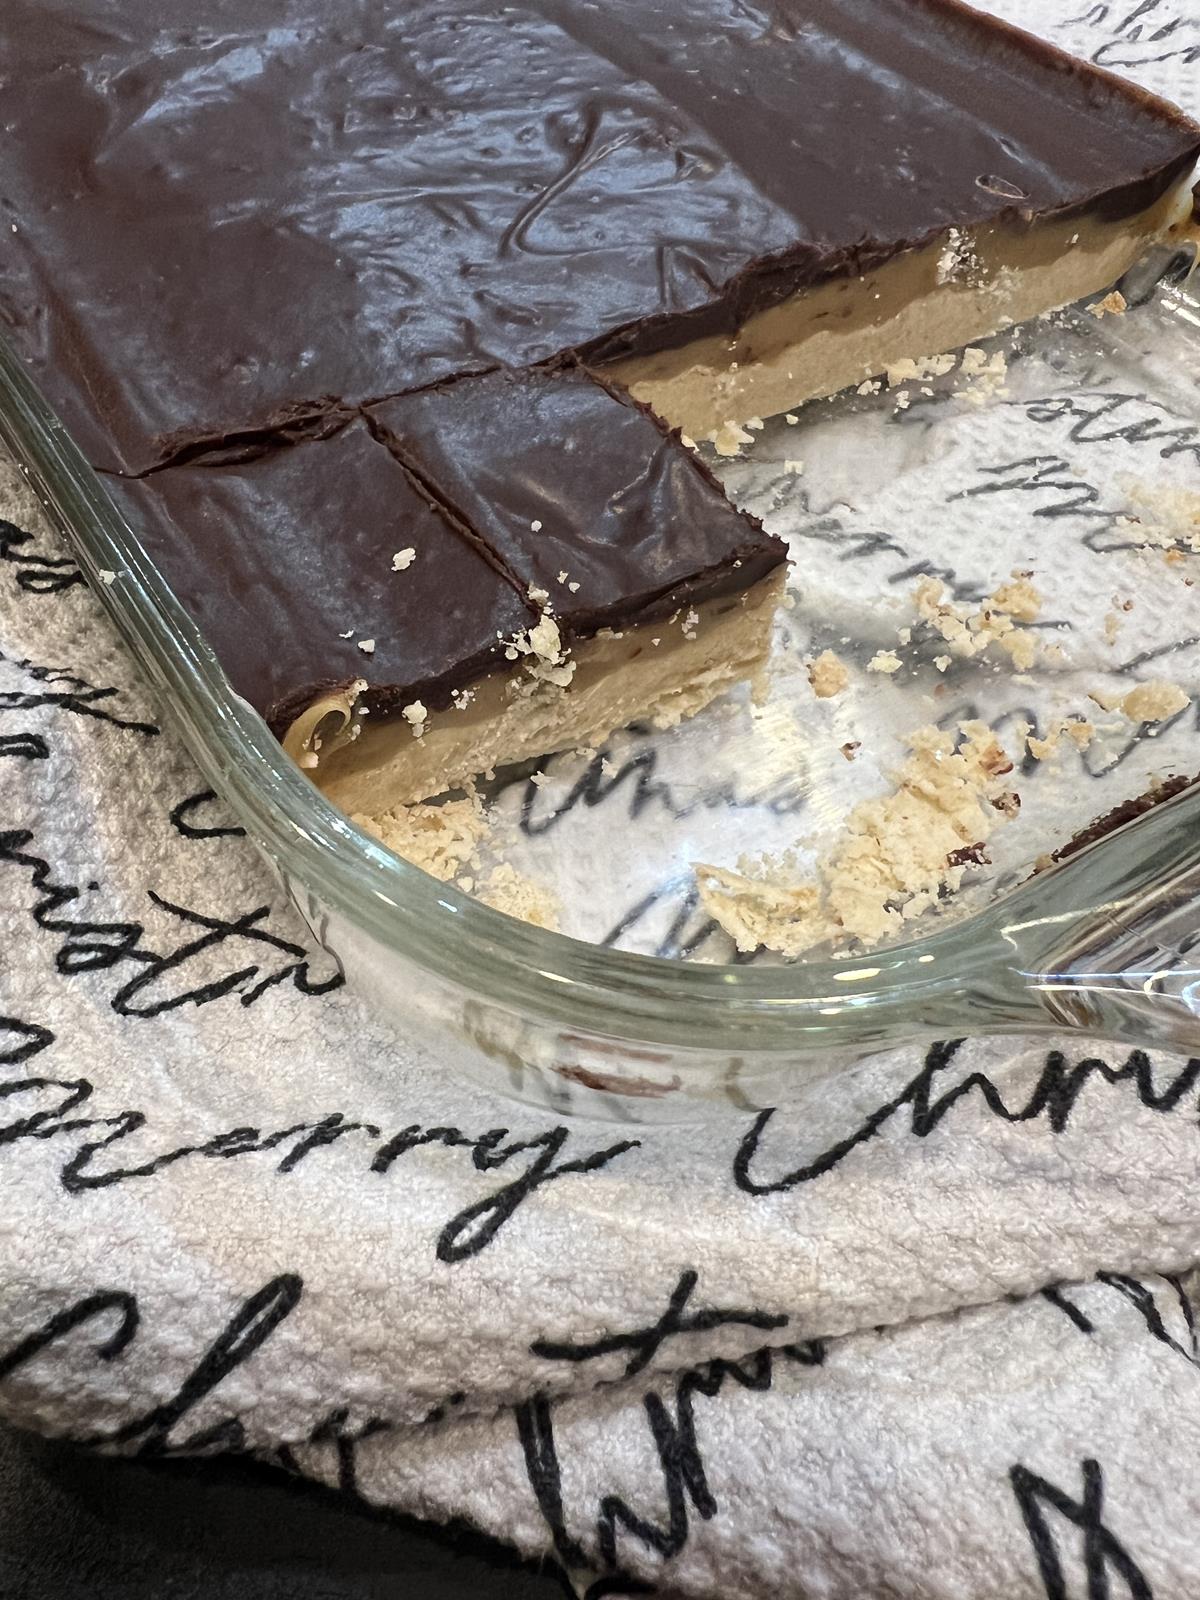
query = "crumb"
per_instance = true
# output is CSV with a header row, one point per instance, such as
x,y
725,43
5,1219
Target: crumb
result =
x,y
656,641
562,577
349,634
544,641
884,661
828,675
416,716
573,587
505,889
897,855
608,768
1168,518
756,423
1152,701
442,840
791,419
757,913
1106,699
1020,646
367,646
985,375
851,748
729,438
535,526
958,258
688,444
539,779
969,632
540,597
870,386
1079,732
403,559
908,370
903,400
106,577
1018,599
969,855
941,662
1113,305
462,698
905,635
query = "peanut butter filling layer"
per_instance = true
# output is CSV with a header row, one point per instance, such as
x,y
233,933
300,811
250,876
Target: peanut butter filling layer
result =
x,y
658,672
964,286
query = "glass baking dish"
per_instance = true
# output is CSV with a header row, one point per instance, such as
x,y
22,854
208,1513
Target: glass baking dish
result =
x,y
1106,943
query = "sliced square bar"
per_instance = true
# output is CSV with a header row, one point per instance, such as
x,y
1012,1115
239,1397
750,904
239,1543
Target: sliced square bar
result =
x,y
285,563
655,594
522,562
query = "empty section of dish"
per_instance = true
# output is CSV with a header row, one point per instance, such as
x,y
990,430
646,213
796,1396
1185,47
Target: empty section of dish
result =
x,y
994,555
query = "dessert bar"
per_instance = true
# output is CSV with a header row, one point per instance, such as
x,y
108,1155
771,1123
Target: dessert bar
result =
x,y
319,282
474,573
225,206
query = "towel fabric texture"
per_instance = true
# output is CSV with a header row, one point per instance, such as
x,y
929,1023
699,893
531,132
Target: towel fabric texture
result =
x,y
927,1332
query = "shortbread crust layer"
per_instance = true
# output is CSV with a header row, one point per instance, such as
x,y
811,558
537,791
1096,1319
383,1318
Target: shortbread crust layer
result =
x,y
657,672
962,287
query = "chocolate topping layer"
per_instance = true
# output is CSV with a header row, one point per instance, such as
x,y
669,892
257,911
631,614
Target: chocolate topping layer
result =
x,y
265,257
305,537
223,207
1100,827
559,473
457,475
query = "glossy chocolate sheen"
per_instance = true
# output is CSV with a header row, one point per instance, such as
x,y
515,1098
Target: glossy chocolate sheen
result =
x,y
579,492
304,536
223,207
307,524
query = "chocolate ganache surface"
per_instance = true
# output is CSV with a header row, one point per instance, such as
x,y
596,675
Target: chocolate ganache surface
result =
x,y
312,278
493,485
224,206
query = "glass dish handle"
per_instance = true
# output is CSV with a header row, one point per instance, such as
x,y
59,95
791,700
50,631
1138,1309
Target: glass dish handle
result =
x,y
1128,967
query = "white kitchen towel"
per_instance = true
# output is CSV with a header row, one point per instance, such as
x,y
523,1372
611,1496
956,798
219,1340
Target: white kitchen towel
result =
x,y
926,1331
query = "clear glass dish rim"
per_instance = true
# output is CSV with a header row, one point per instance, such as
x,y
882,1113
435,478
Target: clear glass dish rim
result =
x,y
621,994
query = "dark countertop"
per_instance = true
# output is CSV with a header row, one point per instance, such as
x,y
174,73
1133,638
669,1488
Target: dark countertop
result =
x,y
75,1526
